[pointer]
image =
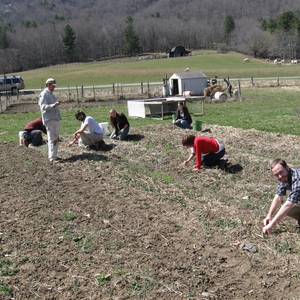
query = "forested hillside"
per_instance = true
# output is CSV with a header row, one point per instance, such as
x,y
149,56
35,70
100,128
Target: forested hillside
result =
x,y
37,33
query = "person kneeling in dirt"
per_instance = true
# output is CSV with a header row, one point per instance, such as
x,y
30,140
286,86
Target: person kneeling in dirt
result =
x,y
89,132
183,118
33,133
120,125
211,147
289,179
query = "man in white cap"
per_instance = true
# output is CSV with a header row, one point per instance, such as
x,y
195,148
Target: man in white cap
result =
x,y
51,117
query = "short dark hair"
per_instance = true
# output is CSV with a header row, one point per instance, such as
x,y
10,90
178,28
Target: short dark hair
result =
x,y
278,161
181,103
80,113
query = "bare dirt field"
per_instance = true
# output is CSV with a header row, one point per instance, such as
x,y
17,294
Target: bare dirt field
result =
x,y
134,223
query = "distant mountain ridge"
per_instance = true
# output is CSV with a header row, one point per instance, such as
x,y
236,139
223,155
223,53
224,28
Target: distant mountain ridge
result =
x,y
45,11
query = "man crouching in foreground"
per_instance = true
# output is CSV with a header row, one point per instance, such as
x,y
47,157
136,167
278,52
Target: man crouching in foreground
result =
x,y
289,179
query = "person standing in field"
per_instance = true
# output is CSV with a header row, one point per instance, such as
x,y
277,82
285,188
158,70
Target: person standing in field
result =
x,y
51,118
208,151
228,86
289,179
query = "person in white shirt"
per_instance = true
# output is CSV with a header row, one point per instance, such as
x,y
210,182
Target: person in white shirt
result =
x,y
89,132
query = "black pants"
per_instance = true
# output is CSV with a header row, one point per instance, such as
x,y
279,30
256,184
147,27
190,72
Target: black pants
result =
x,y
213,159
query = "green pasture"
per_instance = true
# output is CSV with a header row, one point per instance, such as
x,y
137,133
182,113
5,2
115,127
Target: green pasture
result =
x,y
275,109
267,109
132,70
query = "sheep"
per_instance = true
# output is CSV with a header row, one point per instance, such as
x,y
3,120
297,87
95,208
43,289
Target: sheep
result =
x,y
246,60
282,61
235,93
187,70
294,61
277,61
187,93
267,60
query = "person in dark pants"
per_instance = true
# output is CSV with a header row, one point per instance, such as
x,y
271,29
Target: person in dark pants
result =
x,y
229,87
120,125
211,149
33,133
183,118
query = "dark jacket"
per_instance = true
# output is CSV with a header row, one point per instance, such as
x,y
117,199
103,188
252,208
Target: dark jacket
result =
x,y
186,116
119,122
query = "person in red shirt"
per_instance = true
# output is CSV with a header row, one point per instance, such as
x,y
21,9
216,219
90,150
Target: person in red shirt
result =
x,y
33,133
208,151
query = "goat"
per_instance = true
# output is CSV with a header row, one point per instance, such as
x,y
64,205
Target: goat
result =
x,y
187,70
246,60
294,61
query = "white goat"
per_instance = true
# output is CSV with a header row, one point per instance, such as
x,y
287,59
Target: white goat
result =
x,y
294,61
246,60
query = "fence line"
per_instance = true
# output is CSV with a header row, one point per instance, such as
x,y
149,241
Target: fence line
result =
x,y
123,91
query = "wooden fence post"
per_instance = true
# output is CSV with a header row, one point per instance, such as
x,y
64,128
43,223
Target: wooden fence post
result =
x,y
252,80
113,89
77,95
82,94
142,88
278,80
240,91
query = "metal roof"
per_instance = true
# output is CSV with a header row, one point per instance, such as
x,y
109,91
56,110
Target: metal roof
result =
x,y
186,75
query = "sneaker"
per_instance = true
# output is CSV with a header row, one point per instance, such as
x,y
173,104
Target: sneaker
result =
x,y
55,161
223,164
31,146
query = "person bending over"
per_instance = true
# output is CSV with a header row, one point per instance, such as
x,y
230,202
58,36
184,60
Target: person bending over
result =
x,y
289,179
120,125
89,132
208,151
33,133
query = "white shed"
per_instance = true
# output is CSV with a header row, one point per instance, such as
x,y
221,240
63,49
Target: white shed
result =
x,y
195,82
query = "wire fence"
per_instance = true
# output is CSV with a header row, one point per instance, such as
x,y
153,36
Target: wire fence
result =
x,y
131,91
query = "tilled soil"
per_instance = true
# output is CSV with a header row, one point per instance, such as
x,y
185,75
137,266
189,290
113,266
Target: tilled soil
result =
x,y
134,223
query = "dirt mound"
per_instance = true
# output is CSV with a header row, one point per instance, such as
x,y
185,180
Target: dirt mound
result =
x,y
134,223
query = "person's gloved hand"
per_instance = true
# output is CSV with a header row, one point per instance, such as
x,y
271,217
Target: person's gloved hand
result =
x,y
121,131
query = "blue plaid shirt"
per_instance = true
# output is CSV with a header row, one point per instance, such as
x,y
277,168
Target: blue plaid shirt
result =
x,y
293,185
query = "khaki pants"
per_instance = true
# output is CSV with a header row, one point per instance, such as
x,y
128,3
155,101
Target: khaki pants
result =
x,y
295,212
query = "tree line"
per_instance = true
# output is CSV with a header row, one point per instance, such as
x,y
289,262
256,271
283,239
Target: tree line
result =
x,y
34,44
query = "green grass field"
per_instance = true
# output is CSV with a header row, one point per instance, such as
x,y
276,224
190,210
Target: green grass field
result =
x,y
274,109
130,70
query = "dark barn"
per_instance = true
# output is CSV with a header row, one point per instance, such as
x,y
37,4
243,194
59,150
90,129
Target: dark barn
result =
x,y
178,51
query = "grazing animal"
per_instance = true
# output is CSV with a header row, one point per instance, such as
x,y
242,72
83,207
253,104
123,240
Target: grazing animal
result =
x,y
187,93
246,60
294,61
277,61
235,93
187,70
267,60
